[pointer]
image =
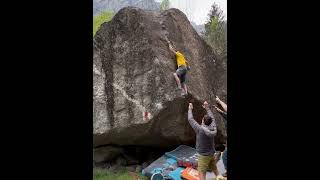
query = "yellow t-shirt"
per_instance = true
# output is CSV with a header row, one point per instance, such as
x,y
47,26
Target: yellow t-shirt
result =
x,y
180,59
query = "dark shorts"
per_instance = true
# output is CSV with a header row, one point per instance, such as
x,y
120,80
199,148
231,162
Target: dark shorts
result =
x,y
182,73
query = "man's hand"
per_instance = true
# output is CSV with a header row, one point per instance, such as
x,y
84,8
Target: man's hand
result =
x,y
218,109
190,106
223,105
217,99
205,105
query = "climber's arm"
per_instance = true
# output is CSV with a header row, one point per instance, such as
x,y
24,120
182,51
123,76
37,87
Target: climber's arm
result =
x,y
172,49
195,126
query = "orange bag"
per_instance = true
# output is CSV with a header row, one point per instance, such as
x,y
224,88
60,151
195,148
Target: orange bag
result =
x,y
190,174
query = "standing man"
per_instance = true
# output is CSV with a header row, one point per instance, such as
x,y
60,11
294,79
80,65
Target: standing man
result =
x,y
204,141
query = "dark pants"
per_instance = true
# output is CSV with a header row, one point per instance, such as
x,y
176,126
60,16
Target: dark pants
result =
x,y
224,159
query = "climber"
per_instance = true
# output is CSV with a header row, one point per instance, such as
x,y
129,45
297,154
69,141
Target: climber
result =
x,y
181,72
204,141
224,115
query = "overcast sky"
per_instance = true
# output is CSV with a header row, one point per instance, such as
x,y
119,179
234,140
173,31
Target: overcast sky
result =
x,y
197,10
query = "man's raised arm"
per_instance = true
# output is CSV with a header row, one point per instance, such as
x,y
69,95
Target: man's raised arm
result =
x,y
195,126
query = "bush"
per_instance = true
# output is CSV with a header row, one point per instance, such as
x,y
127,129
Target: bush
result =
x,y
104,16
216,31
103,174
165,4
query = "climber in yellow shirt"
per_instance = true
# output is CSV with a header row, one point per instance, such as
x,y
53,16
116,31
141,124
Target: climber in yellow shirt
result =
x,y
181,72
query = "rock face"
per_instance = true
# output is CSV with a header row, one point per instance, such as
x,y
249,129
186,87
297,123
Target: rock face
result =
x,y
103,154
136,101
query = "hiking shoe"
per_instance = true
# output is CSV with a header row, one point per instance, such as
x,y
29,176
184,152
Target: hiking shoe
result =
x,y
224,174
219,177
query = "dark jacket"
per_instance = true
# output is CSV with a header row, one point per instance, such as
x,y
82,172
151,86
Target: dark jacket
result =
x,y
224,115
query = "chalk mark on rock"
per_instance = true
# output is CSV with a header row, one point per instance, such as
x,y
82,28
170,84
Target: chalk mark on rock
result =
x,y
146,115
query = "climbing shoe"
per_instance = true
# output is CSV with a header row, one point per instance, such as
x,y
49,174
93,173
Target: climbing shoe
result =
x,y
183,94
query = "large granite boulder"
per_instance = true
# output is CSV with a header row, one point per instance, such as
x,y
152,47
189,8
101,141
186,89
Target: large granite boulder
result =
x,y
136,101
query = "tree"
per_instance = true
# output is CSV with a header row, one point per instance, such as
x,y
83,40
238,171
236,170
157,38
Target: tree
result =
x,y
165,4
216,31
104,16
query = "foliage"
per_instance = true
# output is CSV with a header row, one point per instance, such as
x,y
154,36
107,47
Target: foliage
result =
x,y
104,16
165,4
103,174
216,31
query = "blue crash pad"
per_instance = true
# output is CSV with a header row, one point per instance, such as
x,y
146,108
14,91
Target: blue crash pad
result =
x,y
172,163
162,165
186,156
176,174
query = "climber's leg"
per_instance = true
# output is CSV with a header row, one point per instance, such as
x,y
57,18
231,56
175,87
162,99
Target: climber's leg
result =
x,y
185,88
177,80
182,78
176,77
183,82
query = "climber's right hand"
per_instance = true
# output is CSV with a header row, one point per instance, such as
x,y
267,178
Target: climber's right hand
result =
x,y
190,106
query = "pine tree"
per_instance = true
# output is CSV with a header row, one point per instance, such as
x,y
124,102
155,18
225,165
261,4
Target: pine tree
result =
x,y
216,31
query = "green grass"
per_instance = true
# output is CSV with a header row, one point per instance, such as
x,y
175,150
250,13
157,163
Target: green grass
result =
x,y
122,174
104,16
